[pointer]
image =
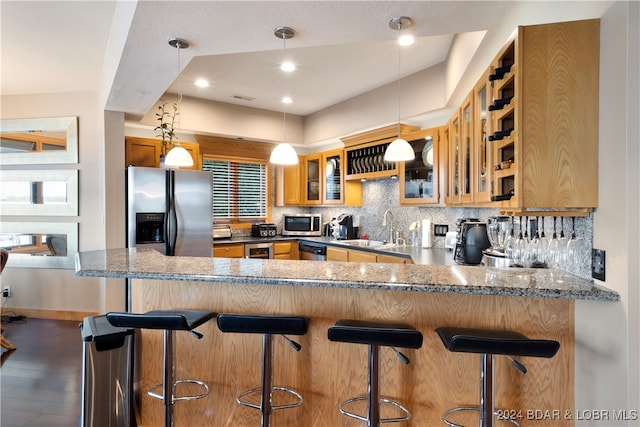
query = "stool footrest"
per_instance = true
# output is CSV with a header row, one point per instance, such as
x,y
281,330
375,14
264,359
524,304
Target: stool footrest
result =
x,y
178,398
404,410
498,415
292,392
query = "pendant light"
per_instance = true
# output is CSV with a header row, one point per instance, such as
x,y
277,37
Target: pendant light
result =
x,y
283,153
399,149
178,156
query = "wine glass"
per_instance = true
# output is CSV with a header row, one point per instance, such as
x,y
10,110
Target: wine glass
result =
x,y
509,243
544,243
563,240
535,246
520,249
553,254
575,249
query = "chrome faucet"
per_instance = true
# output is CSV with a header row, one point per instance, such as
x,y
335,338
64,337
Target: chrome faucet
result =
x,y
384,224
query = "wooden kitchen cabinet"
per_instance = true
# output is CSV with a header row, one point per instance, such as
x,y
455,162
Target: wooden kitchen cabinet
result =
x,y
337,254
146,152
355,255
419,178
228,250
545,139
481,154
285,250
453,161
318,179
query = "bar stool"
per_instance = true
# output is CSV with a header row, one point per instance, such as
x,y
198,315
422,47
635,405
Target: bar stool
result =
x,y
267,325
488,342
375,334
169,321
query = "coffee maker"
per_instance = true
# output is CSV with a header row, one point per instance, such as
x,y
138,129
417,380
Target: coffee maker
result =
x,y
472,241
344,228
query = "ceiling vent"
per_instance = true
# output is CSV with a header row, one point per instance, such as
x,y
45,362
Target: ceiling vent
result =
x,y
243,97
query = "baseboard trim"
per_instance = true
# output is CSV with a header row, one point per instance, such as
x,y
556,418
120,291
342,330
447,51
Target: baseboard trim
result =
x,y
37,313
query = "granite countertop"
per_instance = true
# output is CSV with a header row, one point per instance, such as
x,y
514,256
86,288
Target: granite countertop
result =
x,y
418,255
150,264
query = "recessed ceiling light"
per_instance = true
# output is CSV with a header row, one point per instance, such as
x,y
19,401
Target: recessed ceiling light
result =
x,y
406,40
286,100
202,83
288,67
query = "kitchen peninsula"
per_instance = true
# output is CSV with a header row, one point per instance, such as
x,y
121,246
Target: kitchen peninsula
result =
x,y
536,302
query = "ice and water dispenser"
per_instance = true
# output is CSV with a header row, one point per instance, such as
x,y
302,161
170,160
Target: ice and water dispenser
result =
x,y
150,227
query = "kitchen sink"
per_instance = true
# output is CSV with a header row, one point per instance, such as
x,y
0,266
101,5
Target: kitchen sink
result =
x,y
363,242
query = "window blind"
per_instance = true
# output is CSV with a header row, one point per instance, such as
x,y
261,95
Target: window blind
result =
x,y
239,190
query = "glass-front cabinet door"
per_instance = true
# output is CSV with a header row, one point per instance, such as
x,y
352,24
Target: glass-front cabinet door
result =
x,y
333,163
312,179
481,150
453,163
466,142
419,177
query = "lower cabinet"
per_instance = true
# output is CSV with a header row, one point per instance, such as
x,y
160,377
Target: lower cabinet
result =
x,y
230,250
285,250
354,255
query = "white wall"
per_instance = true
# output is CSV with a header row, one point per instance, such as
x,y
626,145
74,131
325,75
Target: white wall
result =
x,y
56,289
607,357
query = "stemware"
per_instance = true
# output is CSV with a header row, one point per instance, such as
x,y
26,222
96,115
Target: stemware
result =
x,y
563,240
510,241
544,242
575,248
519,251
535,246
553,254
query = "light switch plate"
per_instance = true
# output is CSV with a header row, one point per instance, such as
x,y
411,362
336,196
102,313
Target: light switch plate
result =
x,y
598,265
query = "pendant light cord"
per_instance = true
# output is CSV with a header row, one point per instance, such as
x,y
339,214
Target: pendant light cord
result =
x,y
398,82
179,97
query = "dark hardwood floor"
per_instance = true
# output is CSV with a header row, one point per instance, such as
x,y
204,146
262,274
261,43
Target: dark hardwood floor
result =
x,y
41,380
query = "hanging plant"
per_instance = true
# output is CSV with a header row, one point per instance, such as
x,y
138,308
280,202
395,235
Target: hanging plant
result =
x,y
167,121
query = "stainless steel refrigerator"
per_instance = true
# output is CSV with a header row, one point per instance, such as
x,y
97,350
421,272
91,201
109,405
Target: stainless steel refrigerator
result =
x,y
170,211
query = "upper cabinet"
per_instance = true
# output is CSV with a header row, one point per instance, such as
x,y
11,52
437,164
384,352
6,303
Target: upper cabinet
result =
x,y
481,154
317,180
419,178
544,116
365,152
146,152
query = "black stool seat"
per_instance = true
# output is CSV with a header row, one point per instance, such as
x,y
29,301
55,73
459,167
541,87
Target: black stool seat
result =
x,y
267,326
487,343
375,333
171,320
263,324
469,340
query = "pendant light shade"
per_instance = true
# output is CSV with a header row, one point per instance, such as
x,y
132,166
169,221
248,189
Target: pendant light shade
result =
x,y
399,150
284,154
178,157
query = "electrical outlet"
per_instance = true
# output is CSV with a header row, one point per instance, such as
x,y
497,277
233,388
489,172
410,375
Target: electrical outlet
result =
x,y
6,292
598,265
440,229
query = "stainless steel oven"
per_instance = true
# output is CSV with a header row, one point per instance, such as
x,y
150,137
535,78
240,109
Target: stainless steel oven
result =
x,y
258,250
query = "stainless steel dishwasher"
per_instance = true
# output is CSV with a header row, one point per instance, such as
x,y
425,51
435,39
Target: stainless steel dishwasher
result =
x,y
312,251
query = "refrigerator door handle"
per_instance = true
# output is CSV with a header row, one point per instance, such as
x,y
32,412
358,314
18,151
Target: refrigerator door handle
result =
x,y
171,217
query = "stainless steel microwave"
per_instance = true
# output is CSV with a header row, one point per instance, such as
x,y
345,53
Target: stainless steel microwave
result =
x,y
302,225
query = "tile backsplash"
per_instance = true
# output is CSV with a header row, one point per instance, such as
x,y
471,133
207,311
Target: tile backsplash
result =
x,y
382,194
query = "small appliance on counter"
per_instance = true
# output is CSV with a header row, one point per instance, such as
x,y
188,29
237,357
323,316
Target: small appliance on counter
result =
x,y
302,225
472,241
221,232
343,227
450,240
264,230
